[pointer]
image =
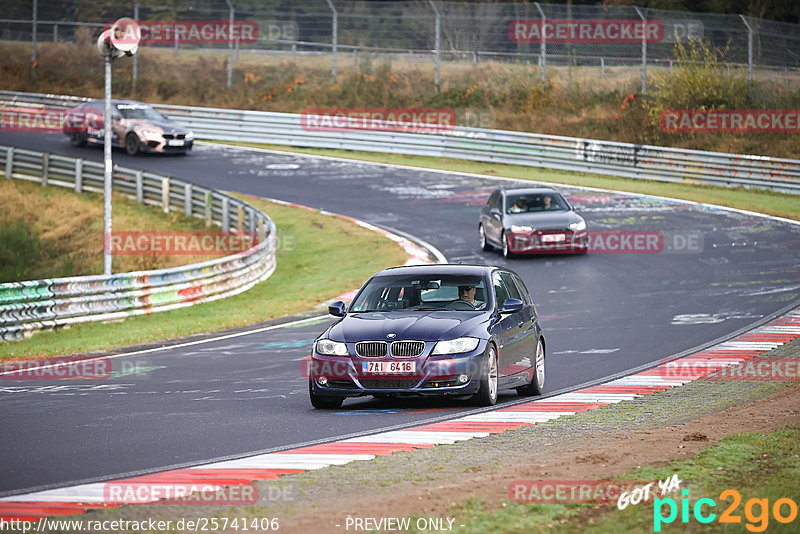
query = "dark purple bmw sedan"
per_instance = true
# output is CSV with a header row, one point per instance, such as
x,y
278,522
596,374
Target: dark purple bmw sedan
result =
x,y
466,331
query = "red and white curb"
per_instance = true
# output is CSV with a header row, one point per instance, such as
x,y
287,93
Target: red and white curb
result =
x,y
77,499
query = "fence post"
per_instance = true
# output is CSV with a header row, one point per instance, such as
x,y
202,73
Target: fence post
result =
x,y
187,200
543,45
644,50
437,41
139,187
749,54
55,33
135,56
9,162
226,214
45,168
78,175
335,38
33,31
165,194
208,203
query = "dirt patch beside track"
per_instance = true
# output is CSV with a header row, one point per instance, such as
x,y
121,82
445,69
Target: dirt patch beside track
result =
x,y
584,456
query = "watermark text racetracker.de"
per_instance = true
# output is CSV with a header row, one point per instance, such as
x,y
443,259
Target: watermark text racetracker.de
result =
x,y
408,120
18,119
168,243
58,368
585,31
529,241
570,491
167,32
188,493
714,369
196,524
730,121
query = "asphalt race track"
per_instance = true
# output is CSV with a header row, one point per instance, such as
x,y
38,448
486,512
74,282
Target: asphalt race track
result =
x,y
602,314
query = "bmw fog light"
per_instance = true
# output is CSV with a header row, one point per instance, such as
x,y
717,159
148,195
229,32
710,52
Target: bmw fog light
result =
x,y
463,379
322,380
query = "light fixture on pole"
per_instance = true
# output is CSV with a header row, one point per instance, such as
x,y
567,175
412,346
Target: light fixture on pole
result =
x,y
122,39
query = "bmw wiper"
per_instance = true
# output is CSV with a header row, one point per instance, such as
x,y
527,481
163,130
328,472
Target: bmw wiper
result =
x,y
426,308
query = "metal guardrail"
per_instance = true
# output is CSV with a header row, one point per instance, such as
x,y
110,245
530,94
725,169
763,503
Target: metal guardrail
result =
x,y
499,146
56,302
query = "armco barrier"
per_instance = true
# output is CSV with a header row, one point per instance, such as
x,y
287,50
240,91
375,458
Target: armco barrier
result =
x,y
499,146
42,304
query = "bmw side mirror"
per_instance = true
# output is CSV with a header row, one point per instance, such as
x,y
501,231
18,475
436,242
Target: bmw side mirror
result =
x,y
337,309
511,306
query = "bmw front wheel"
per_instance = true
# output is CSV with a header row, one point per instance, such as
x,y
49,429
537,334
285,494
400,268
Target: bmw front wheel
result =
x,y
487,394
536,387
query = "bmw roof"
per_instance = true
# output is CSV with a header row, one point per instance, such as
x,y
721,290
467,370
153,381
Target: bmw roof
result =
x,y
440,268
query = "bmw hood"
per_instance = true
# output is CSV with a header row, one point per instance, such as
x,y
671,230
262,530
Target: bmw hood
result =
x,y
543,220
413,325
167,126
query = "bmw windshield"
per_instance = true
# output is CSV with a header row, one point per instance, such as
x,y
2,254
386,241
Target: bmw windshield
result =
x,y
426,293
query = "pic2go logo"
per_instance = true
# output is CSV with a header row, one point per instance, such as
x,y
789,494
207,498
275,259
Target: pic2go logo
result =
x,y
756,511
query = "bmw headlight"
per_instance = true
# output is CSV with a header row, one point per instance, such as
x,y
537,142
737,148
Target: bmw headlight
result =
x,y
456,346
150,133
331,348
189,136
580,225
521,228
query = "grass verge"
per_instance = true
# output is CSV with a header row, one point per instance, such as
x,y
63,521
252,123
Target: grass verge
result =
x,y
50,232
758,200
313,266
760,468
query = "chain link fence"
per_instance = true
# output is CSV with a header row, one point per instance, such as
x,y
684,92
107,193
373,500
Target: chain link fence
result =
x,y
574,43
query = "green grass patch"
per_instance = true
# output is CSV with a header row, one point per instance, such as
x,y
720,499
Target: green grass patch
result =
x,y
51,232
319,257
755,465
759,200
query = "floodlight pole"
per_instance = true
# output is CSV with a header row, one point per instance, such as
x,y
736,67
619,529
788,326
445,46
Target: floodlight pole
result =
x,y
230,42
543,45
644,49
107,166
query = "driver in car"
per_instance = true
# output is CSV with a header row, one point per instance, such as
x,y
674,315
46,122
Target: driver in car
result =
x,y
467,294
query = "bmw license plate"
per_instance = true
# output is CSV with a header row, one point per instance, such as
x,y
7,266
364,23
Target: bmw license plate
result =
x,y
175,142
385,368
553,238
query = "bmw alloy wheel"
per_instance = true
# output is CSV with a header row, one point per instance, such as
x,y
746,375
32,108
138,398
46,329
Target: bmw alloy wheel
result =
x,y
487,394
536,387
